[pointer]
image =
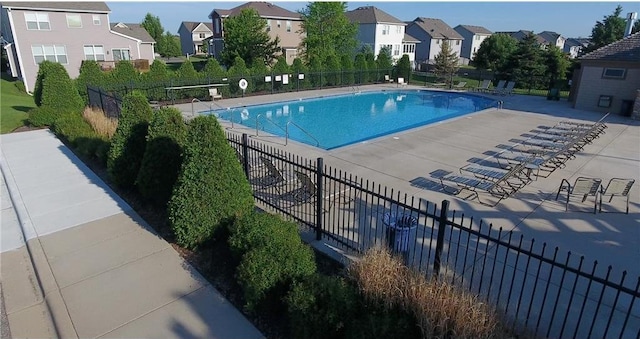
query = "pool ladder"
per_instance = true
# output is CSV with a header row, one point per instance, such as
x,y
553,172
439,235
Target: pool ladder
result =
x,y
285,130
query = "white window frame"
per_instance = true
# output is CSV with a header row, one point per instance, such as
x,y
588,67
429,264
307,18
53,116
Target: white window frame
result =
x,y
55,56
268,25
396,50
399,29
385,29
216,25
607,75
96,19
72,17
278,23
288,25
40,20
202,36
94,55
113,53
457,42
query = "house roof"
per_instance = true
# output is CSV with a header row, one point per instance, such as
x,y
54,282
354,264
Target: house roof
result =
x,y
577,42
191,25
548,36
409,38
437,28
626,49
475,29
265,9
371,15
135,31
60,6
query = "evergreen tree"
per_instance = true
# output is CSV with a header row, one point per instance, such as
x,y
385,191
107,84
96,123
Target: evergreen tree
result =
x,y
609,30
281,68
90,74
526,63
298,67
361,69
384,61
557,64
403,68
236,72
317,72
346,62
332,68
213,70
372,66
446,62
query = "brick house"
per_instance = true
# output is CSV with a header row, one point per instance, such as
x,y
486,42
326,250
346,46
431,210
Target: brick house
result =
x,y
609,78
68,33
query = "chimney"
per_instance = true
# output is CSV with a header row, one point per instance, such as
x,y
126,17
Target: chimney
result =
x,y
631,18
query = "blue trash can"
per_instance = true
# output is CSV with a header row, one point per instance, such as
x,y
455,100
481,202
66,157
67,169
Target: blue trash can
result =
x,y
398,230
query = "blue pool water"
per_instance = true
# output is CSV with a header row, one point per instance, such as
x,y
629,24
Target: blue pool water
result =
x,y
331,122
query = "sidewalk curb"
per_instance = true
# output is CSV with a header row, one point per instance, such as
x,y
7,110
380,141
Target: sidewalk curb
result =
x,y
33,246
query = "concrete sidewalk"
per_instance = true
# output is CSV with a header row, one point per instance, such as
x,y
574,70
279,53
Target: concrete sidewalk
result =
x,y
78,262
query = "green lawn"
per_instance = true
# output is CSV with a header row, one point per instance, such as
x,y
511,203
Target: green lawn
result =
x,y
14,105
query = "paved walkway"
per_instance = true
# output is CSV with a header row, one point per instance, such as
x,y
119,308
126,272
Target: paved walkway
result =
x,y
78,262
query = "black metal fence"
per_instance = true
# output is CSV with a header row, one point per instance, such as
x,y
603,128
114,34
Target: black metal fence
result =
x,y
110,103
552,293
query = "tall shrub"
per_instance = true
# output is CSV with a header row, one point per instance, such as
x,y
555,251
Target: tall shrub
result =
x,y
371,66
163,155
298,67
211,188
236,72
156,80
281,68
59,92
346,61
124,75
129,142
43,70
361,68
316,72
90,74
332,67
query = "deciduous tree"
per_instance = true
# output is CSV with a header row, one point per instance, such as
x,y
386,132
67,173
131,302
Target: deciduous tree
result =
x,y
327,30
245,36
494,52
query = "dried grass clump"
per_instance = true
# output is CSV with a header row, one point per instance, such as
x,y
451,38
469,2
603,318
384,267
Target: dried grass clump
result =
x,y
100,123
442,310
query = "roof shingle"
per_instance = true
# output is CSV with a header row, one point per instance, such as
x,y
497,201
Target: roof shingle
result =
x,y
371,15
476,29
265,9
437,28
133,30
626,49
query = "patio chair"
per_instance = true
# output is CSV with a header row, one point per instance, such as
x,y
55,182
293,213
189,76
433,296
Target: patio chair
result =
x,y
308,192
213,93
484,87
500,87
515,176
401,82
460,85
274,177
508,89
617,187
583,187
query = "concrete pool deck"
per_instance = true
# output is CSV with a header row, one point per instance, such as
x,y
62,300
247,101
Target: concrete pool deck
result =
x,y
411,162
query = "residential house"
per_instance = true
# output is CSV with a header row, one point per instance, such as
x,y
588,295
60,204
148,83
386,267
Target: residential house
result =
x,y
609,78
473,38
377,29
431,33
192,36
552,39
573,46
68,33
280,23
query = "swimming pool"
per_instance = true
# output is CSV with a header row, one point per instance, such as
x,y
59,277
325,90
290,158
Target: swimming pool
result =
x,y
336,121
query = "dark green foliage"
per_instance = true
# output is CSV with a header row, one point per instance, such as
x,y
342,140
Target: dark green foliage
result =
x,y
72,127
557,64
445,65
90,74
236,72
527,65
211,189
327,30
321,307
156,79
245,36
187,75
42,116
298,67
169,45
124,75
163,155
257,229
403,68
376,321
360,65
372,66
213,70
332,68
186,70
316,72
281,67
495,51
43,70
153,26
129,142
58,90
258,72
346,62
609,30
384,62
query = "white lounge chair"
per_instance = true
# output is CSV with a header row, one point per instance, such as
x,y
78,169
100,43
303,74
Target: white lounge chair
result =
x,y
213,93
582,188
617,187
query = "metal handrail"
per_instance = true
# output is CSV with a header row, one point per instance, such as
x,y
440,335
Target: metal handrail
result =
x,y
271,121
300,128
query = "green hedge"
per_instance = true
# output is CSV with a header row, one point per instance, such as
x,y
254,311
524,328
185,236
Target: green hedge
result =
x,y
258,229
43,70
42,116
211,189
129,142
163,155
80,135
58,90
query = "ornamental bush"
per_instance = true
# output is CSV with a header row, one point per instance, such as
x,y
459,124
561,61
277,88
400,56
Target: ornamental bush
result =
x,y
73,128
90,74
211,189
256,229
129,142
42,116
43,70
55,89
163,155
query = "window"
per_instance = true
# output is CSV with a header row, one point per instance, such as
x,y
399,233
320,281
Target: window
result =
x,y
477,37
288,26
121,54
396,49
614,73
385,29
54,53
268,25
278,23
94,52
201,36
216,23
74,21
409,48
399,29
96,20
605,101
37,21
457,42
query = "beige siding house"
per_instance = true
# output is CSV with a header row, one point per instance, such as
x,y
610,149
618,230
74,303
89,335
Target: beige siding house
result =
x,y
280,23
431,33
193,36
68,33
609,78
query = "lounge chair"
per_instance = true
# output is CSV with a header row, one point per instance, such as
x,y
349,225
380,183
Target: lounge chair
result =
x,y
508,89
401,82
617,187
484,87
583,187
213,93
460,85
500,87
274,177
516,176
308,192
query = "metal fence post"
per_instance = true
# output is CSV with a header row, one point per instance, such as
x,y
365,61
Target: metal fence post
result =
x,y
319,198
101,102
245,155
442,225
